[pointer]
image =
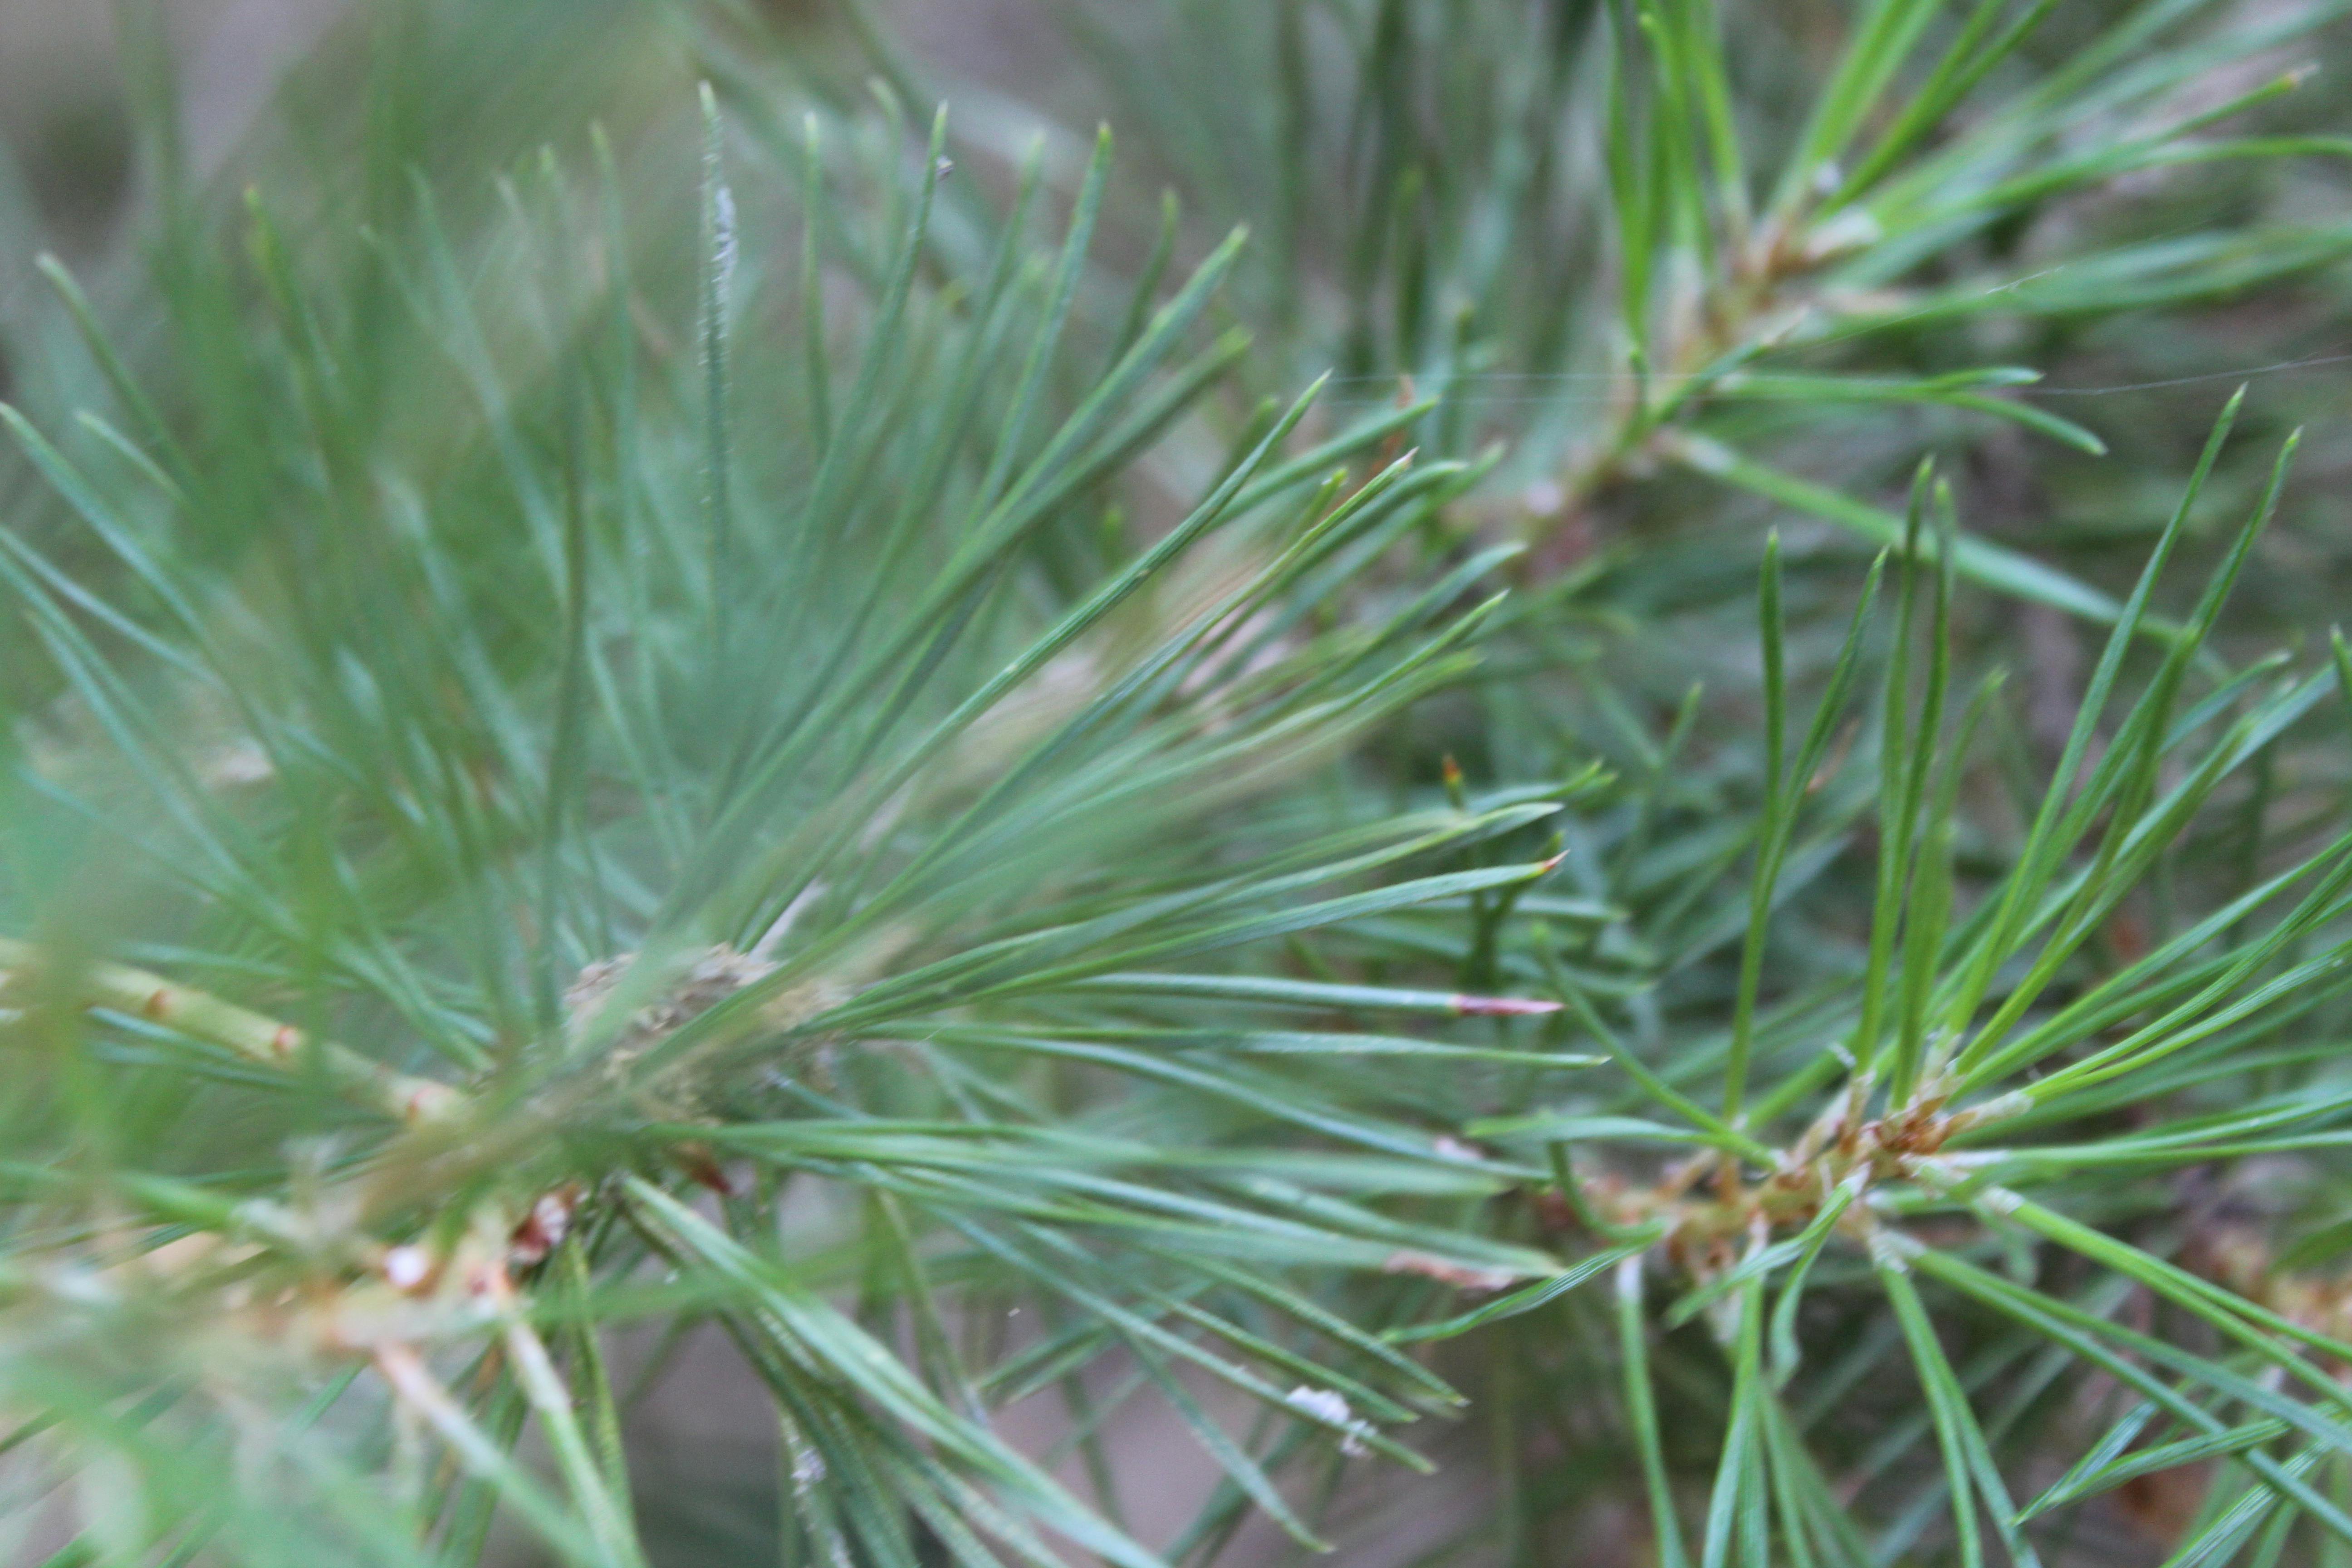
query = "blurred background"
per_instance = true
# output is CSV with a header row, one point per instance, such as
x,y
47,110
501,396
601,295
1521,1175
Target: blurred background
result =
x,y
62,94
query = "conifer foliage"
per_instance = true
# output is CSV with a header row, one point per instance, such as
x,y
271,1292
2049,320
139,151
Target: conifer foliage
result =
x,y
663,704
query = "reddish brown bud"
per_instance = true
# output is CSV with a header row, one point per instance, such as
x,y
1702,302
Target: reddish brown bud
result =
x,y
1462,1276
1501,1007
